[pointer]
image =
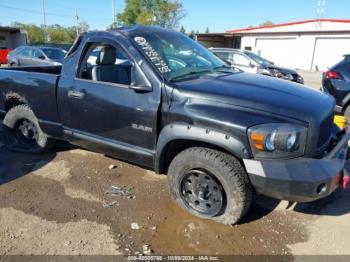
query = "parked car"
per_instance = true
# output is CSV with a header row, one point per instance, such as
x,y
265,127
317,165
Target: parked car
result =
x,y
218,134
336,82
252,63
36,56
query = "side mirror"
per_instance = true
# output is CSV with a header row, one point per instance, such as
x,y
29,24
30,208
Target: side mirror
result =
x,y
141,88
139,82
252,65
42,57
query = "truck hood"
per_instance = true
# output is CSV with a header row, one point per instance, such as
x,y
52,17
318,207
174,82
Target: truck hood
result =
x,y
261,93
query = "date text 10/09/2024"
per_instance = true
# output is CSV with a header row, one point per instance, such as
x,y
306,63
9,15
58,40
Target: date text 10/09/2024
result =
x,y
173,258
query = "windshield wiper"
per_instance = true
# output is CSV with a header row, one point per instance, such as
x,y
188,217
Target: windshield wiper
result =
x,y
189,74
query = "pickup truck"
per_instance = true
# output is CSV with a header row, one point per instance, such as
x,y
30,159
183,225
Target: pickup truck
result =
x,y
156,98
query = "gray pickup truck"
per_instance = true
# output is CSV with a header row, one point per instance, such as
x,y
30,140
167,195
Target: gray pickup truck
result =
x,y
158,99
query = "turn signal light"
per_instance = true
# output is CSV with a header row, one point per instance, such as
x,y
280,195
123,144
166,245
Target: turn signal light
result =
x,y
258,140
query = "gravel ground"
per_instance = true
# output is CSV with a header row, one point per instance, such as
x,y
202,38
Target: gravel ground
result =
x,y
56,204
312,78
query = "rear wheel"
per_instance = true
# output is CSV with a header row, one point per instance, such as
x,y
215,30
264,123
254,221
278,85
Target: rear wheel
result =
x,y
23,133
210,184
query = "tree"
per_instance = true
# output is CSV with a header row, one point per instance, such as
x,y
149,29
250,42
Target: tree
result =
x,y
57,33
207,31
192,34
267,23
183,30
164,13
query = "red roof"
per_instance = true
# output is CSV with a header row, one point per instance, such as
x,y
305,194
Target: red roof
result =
x,y
288,24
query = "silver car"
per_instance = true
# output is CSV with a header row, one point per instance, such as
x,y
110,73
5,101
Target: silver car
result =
x,y
36,56
250,62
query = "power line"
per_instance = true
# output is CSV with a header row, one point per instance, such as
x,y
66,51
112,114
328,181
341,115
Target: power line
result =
x,y
35,12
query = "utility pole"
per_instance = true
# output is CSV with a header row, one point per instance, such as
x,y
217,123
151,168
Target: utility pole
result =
x,y
321,5
113,12
44,16
77,17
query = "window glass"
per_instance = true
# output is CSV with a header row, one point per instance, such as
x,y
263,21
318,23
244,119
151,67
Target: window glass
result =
x,y
106,63
176,56
225,56
37,53
54,53
25,52
241,60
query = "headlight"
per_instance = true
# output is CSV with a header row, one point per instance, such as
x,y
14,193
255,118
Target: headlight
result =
x,y
279,74
277,140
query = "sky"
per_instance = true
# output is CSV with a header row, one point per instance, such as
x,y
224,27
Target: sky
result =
x,y
217,15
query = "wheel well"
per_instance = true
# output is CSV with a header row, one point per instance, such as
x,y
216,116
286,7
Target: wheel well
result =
x,y
345,106
173,148
13,101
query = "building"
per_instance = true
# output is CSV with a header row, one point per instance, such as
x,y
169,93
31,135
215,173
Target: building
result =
x,y
10,38
309,45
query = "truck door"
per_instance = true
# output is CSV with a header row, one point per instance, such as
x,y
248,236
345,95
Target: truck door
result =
x,y
112,105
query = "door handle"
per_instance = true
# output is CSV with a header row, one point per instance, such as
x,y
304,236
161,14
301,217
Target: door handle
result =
x,y
76,94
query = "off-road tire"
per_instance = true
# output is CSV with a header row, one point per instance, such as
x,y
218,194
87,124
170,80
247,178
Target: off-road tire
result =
x,y
20,113
226,169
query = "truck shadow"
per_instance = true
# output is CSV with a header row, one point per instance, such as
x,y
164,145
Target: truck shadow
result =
x,y
16,165
336,204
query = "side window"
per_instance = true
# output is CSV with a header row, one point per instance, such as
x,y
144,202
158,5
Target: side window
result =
x,y
38,53
25,52
225,56
241,60
105,63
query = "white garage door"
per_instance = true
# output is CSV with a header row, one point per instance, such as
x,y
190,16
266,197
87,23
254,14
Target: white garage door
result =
x,y
329,51
282,51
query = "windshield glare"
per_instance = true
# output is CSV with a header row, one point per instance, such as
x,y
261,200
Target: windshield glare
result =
x,y
54,53
176,55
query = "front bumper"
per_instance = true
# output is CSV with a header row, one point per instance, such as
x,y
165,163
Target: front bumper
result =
x,y
300,179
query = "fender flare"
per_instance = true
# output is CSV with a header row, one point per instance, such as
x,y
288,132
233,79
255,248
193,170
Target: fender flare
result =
x,y
181,131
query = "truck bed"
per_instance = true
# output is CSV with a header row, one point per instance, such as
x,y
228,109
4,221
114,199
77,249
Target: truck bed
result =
x,y
35,86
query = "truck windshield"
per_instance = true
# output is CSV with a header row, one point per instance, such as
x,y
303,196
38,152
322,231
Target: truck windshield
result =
x,y
177,57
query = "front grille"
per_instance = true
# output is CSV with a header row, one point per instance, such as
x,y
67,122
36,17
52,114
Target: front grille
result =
x,y
325,131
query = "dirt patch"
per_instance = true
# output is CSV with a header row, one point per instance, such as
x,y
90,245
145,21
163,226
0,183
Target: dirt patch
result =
x,y
30,235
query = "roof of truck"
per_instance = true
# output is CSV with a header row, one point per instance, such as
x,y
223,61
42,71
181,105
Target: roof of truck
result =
x,y
135,29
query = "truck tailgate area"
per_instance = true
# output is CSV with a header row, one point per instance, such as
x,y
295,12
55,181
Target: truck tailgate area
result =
x,y
37,89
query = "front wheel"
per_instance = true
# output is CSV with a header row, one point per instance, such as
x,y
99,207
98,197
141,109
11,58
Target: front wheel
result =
x,y
210,184
22,132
